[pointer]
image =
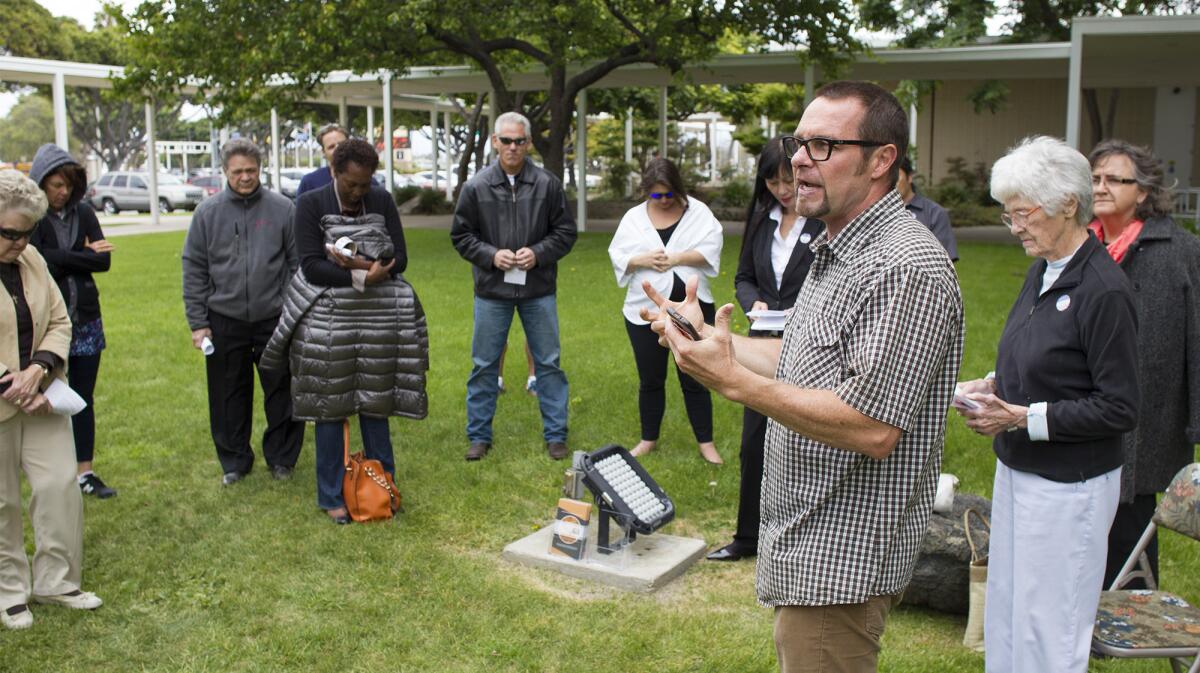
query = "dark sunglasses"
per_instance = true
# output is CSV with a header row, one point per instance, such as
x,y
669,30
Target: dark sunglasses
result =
x,y
512,141
662,195
15,235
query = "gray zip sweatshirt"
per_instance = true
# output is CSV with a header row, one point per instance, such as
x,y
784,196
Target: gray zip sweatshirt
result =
x,y
239,257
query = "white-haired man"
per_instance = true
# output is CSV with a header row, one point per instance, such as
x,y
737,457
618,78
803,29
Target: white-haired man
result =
x,y
512,224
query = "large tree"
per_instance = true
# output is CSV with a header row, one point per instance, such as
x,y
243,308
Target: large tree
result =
x,y
235,50
108,123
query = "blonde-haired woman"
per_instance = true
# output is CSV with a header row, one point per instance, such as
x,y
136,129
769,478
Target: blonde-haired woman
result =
x,y
35,336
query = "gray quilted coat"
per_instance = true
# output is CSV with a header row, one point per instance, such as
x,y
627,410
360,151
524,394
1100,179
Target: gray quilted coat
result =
x,y
353,352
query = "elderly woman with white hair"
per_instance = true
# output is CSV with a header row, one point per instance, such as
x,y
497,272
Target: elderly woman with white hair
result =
x,y
1063,392
35,336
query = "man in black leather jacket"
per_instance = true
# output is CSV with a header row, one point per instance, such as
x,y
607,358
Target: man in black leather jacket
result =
x,y
513,225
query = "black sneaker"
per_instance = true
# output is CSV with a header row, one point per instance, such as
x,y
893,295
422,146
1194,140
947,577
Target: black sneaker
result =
x,y
94,485
281,472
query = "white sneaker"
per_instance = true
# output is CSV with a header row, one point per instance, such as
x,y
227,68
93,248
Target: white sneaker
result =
x,y
22,619
500,384
76,600
531,385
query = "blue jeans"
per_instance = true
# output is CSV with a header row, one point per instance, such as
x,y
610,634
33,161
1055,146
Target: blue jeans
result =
x,y
377,444
493,317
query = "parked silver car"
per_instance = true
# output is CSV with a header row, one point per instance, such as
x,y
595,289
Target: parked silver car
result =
x,y
130,190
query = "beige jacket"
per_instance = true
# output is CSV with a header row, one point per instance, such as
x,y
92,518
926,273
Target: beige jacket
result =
x,y
51,326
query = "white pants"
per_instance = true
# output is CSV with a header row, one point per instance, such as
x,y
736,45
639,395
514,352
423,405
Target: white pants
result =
x,y
42,447
1047,552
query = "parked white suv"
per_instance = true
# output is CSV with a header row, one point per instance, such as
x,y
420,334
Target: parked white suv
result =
x,y
130,190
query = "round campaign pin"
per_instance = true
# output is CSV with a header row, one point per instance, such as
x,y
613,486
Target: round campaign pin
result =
x,y
805,238
1063,302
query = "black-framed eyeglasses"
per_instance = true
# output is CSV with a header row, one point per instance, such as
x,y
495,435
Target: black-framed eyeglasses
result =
x,y
512,141
820,149
662,195
16,235
1098,180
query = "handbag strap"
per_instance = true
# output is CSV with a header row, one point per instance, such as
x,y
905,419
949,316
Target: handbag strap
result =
x,y
346,443
967,529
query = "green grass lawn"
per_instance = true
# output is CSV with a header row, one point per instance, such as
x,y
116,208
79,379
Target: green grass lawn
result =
x,y
197,577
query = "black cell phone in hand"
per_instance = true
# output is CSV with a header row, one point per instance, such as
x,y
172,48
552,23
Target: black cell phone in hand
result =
x,y
683,324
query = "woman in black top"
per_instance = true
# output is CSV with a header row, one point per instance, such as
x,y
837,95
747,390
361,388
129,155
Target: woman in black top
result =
x,y
1065,390
771,268
666,241
351,194
1133,220
70,240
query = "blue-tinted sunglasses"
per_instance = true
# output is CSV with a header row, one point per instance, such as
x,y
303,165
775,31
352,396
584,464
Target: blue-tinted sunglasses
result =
x,y
662,195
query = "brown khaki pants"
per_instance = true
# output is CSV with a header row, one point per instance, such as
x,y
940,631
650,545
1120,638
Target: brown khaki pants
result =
x,y
831,638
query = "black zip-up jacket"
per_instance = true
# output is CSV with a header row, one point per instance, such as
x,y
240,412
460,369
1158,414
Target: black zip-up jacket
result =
x,y
1074,347
72,267
493,215
755,277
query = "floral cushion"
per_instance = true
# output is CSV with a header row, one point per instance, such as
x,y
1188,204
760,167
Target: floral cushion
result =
x,y
1179,508
1146,619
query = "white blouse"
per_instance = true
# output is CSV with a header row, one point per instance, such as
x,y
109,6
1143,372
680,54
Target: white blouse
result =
x,y
698,230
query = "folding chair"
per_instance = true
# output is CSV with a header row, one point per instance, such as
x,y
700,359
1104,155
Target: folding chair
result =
x,y
1147,622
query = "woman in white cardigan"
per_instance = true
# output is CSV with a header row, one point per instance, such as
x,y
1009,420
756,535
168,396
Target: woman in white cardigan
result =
x,y
666,241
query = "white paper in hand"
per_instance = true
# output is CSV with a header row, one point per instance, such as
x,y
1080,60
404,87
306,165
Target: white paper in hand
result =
x,y
63,400
515,276
768,321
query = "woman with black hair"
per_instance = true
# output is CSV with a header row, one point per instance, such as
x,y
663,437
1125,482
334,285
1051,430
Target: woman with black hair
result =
x,y
70,240
666,241
353,332
771,268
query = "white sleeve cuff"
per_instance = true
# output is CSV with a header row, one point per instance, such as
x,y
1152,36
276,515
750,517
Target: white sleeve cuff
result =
x,y
358,278
1035,418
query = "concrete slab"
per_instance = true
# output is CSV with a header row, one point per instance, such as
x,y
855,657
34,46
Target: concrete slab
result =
x,y
649,563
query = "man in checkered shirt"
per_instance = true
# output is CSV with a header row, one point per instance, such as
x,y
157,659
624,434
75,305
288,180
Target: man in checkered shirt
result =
x,y
857,390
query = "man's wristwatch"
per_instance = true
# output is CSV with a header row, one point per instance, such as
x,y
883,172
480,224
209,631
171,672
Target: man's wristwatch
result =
x,y
44,366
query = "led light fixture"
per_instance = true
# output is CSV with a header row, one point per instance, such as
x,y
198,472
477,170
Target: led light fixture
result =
x,y
625,493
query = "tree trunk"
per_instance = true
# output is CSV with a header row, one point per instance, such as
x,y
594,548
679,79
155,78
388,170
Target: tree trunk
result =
x,y
470,142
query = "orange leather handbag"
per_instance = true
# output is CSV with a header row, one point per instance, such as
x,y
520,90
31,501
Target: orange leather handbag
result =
x,y
367,488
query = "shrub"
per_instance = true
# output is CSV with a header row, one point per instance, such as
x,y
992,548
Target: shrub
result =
x,y
616,178
736,193
963,184
433,202
403,194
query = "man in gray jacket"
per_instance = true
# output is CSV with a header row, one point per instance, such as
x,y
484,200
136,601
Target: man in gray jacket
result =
x,y
237,261
512,224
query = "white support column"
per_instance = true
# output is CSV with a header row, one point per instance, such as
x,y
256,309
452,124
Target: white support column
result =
x,y
433,134
183,158
810,83
581,104
449,156
152,162
712,149
1074,82
275,151
214,148
912,126
389,157
370,135
662,122
343,114
59,90
629,148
